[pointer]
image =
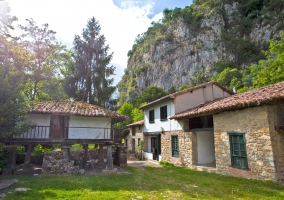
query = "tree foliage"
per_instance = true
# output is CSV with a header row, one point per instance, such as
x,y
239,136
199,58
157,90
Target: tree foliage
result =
x,y
44,55
150,94
89,74
271,70
13,107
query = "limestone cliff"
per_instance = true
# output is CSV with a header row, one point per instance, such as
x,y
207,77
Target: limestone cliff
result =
x,y
192,42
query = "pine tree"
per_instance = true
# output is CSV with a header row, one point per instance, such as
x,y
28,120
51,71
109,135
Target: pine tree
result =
x,y
88,77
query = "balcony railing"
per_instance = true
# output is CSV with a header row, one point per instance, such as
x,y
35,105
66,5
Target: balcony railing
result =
x,y
38,132
92,133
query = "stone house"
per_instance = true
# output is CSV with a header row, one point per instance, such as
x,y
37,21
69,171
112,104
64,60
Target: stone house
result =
x,y
162,136
247,131
131,141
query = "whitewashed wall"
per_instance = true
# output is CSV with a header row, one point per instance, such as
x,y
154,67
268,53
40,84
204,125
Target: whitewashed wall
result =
x,y
93,127
159,125
40,131
199,96
205,147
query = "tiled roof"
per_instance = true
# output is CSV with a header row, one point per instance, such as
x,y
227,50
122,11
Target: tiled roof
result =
x,y
75,108
173,95
137,123
267,95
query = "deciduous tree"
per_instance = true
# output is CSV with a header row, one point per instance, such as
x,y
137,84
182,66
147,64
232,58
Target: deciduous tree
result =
x,y
45,60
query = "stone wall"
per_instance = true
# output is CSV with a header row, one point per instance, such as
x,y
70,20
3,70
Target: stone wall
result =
x,y
187,148
120,159
138,134
276,119
262,151
54,162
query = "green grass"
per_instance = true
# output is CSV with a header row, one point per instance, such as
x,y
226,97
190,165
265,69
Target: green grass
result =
x,y
168,182
79,146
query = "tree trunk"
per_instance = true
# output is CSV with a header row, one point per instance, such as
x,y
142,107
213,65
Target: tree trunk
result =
x,y
11,161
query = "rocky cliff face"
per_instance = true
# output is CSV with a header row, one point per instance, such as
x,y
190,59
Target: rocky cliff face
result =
x,y
171,52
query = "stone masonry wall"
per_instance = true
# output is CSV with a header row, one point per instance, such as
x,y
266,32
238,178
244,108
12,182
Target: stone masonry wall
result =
x,y
187,148
138,134
254,122
276,119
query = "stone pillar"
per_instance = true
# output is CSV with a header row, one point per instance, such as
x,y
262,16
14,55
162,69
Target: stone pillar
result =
x,y
121,155
66,152
101,156
85,147
109,158
11,161
28,154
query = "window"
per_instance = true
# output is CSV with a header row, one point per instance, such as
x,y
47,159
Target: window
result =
x,y
163,113
175,146
125,142
238,150
133,130
151,116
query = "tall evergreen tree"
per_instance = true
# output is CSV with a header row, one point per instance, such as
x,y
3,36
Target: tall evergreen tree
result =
x,y
89,75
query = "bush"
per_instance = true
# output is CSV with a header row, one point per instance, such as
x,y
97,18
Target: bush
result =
x,y
3,157
40,149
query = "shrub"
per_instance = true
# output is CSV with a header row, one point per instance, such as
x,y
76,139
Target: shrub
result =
x,y
3,157
40,149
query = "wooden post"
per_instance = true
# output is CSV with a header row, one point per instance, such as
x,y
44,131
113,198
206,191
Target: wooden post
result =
x,y
28,154
109,158
11,161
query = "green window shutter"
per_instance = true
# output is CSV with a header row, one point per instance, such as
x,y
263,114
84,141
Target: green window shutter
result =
x,y
238,150
175,146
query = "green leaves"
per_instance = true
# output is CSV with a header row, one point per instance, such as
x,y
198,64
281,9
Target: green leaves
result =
x,y
150,94
89,74
271,70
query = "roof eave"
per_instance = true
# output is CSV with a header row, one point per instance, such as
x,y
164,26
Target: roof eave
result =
x,y
153,103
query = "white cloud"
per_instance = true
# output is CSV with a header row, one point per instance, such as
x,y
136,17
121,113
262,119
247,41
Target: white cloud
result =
x,y
68,18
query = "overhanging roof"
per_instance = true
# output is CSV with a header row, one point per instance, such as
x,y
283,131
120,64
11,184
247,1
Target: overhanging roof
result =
x,y
173,95
272,94
75,108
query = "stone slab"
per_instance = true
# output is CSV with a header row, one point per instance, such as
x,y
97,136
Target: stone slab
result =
x,y
5,184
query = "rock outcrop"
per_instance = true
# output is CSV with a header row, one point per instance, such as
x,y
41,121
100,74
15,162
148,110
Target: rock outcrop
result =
x,y
172,51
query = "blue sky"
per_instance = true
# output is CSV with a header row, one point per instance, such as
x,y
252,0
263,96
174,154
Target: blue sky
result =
x,y
121,20
158,5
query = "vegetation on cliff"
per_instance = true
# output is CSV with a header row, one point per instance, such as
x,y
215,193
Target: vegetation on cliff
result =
x,y
243,30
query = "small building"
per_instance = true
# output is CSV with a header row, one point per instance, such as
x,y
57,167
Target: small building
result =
x,y
162,135
248,134
132,140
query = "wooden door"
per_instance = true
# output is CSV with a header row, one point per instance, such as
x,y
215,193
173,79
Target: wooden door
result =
x,y
59,127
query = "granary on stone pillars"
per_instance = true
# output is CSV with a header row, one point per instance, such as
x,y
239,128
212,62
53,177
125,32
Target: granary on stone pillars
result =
x,y
69,122
246,131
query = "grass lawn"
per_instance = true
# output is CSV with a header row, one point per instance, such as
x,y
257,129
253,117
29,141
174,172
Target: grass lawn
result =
x,y
168,182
